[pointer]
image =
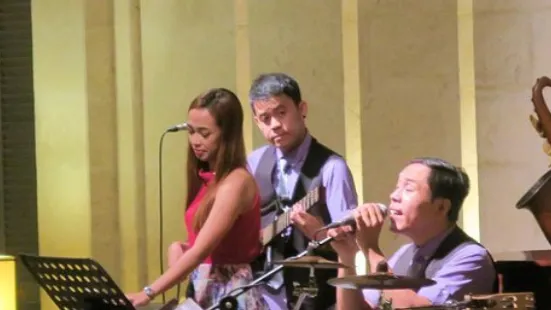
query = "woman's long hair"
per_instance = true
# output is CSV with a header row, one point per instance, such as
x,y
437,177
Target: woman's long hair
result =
x,y
227,111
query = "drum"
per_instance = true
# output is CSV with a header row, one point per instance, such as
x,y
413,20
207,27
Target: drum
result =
x,y
521,300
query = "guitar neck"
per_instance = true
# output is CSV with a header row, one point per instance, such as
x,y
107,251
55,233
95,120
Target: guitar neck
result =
x,y
302,205
284,220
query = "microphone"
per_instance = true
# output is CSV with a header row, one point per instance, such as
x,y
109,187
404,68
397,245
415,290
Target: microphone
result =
x,y
382,267
179,127
350,220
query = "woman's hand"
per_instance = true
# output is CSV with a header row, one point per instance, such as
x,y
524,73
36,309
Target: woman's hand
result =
x,y
138,299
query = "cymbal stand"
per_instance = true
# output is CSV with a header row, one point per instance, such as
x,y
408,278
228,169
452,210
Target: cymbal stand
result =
x,y
308,290
384,303
300,300
229,302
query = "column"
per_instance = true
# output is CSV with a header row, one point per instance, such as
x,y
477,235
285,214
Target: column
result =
x,y
470,215
131,149
76,138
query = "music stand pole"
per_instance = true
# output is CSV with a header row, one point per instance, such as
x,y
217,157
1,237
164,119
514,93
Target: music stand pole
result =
x,y
229,302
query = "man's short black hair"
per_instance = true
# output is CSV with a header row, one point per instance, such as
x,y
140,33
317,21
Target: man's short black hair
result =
x,y
446,181
275,84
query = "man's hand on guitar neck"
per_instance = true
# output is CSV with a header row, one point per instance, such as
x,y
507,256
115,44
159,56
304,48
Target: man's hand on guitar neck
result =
x,y
307,223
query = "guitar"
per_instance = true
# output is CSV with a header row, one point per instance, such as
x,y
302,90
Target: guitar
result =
x,y
283,220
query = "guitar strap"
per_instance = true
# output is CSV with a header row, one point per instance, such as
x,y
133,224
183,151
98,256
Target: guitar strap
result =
x,y
310,178
263,176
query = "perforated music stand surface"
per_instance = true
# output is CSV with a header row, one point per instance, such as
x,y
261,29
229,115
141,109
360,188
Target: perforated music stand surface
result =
x,y
76,283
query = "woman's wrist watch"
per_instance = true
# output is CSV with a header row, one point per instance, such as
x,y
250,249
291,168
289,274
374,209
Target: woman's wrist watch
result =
x,y
149,292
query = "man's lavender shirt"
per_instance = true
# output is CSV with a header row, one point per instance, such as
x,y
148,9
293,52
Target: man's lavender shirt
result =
x,y
337,180
468,270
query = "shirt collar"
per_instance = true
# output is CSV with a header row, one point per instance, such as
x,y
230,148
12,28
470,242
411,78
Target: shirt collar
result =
x,y
429,248
298,155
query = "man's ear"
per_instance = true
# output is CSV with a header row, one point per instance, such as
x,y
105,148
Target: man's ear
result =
x,y
444,205
255,117
253,113
303,108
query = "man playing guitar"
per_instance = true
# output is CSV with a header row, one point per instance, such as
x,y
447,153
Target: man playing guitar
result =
x,y
296,170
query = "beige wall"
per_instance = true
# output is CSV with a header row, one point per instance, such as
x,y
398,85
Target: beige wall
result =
x,y
511,51
386,81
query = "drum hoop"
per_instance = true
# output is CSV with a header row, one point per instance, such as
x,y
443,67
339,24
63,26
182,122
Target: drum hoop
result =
x,y
529,195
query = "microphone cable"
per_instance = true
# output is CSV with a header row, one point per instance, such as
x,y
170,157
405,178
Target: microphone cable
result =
x,y
161,249
182,126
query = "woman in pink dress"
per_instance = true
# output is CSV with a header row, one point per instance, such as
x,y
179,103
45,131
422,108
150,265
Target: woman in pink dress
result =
x,y
223,209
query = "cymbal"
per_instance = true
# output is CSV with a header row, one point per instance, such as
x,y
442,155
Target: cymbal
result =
x,y
437,307
380,281
310,262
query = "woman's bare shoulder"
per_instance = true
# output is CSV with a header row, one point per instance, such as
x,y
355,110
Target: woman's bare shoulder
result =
x,y
239,180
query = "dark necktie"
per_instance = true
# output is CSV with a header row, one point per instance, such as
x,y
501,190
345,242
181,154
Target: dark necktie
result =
x,y
418,265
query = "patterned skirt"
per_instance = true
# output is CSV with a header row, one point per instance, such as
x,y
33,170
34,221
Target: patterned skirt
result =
x,y
210,283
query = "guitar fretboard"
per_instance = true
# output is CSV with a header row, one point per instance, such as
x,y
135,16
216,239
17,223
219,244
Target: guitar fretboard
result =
x,y
284,220
307,202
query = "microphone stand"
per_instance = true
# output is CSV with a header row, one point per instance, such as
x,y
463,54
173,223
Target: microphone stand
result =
x,y
229,302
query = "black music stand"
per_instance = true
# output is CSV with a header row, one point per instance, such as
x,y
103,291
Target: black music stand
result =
x,y
76,283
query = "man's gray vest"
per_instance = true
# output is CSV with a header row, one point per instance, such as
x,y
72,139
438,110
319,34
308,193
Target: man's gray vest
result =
x,y
310,178
453,243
